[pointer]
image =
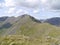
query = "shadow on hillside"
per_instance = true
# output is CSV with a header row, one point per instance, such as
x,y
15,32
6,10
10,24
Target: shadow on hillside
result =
x,y
7,25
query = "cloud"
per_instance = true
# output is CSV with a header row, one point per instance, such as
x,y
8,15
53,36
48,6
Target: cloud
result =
x,y
9,3
11,10
50,4
46,4
56,7
28,3
30,6
2,5
19,11
23,3
54,4
35,11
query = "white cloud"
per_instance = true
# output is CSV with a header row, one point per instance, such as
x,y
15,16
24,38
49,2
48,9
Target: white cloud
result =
x,y
56,5
9,3
25,3
2,5
43,1
28,3
19,11
31,5
53,4
11,10
26,12
35,11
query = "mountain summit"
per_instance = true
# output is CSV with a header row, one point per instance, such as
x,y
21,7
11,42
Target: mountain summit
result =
x,y
11,25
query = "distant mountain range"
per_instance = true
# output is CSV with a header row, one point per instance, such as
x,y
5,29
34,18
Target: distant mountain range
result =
x,y
54,21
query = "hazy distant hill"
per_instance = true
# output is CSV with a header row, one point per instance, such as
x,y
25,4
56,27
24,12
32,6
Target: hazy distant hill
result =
x,y
54,21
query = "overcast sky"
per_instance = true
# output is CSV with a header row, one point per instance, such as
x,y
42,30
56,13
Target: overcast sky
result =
x,y
40,9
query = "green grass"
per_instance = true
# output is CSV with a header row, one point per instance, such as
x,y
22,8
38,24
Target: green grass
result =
x,y
39,30
25,40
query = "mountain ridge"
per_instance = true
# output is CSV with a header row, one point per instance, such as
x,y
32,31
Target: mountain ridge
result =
x,y
12,24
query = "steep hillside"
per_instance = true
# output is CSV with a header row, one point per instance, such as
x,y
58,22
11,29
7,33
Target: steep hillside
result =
x,y
12,24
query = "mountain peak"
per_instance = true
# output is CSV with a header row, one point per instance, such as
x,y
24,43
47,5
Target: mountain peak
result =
x,y
25,15
30,17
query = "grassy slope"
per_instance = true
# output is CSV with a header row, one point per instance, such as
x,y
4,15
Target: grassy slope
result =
x,y
40,30
37,34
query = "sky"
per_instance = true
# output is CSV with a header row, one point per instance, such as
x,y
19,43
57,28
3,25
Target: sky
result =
x,y
40,9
